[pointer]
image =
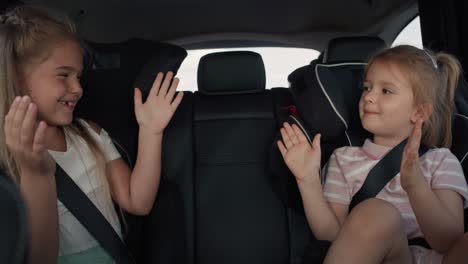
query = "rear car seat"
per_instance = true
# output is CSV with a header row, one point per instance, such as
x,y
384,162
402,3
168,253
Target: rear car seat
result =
x,y
215,150
325,94
330,106
238,218
113,71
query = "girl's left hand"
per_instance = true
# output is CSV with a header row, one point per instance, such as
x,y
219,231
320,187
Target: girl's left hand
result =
x,y
411,175
157,111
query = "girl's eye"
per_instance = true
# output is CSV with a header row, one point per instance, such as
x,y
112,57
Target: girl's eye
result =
x,y
387,91
63,75
366,88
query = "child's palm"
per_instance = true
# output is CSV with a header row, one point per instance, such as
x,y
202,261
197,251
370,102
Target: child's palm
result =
x,y
160,105
302,158
410,170
25,139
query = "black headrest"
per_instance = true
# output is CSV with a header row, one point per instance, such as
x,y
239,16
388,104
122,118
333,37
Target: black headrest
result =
x,y
355,49
235,72
326,95
116,69
165,57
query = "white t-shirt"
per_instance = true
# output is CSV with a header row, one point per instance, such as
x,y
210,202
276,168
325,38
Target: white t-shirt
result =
x,y
79,163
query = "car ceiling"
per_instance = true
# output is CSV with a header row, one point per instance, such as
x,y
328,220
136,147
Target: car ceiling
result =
x,y
294,22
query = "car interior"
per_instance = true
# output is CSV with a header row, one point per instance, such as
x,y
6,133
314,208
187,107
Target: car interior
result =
x,y
225,188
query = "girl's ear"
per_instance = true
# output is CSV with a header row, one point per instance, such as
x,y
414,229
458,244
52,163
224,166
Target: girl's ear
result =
x,y
423,111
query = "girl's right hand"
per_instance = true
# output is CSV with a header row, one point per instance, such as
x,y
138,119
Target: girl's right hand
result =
x,y
302,158
25,138
155,113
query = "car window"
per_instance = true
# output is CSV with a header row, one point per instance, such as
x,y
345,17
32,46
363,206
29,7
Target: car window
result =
x,y
410,35
279,63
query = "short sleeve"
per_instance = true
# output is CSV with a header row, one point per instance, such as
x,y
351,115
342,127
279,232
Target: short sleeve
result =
x,y
336,187
110,152
448,173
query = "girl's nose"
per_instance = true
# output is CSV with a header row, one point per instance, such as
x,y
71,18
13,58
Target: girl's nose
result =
x,y
370,96
76,89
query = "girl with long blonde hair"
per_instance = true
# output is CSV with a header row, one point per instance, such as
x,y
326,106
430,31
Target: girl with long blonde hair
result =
x,y
41,61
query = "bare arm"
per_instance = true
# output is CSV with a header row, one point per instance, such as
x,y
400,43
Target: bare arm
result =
x,y
303,159
439,212
325,219
25,139
40,195
136,191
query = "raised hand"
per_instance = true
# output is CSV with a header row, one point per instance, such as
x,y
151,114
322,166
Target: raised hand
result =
x,y
157,111
410,170
25,138
302,158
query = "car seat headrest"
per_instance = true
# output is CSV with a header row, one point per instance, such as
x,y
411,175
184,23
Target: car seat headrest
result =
x,y
356,49
235,72
116,69
166,57
326,95
326,98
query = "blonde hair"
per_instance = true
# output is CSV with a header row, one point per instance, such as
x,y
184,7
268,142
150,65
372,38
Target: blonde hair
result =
x,y
26,35
433,78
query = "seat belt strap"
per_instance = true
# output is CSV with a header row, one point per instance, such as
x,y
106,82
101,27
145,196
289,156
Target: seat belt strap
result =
x,y
90,217
381,174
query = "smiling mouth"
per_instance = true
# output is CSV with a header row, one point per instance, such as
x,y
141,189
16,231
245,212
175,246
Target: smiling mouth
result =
x,y
69,104
370,113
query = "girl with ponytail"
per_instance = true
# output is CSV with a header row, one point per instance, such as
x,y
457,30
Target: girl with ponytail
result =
x,y
408,94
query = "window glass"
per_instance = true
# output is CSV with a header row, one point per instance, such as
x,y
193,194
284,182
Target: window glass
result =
x,y
279,63
410,35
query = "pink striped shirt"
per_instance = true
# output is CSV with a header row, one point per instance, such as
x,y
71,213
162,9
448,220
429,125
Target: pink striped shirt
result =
x,y
348,168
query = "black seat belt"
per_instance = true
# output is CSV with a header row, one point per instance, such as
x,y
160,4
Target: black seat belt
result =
x,y
90,217
381,174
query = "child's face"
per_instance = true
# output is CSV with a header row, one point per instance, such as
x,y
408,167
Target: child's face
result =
x,y
53,84
387,107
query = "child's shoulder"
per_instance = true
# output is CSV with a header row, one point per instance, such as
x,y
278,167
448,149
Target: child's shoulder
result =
x,y
346,150
93,130
439,154
347,153
90,125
